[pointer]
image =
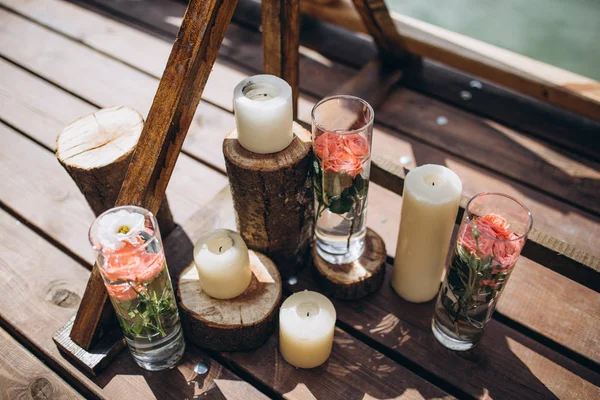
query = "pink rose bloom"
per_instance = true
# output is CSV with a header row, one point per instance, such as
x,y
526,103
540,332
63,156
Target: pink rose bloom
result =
x,y
486,241
342,161
327,144
132,263
356,145
506,252
123,292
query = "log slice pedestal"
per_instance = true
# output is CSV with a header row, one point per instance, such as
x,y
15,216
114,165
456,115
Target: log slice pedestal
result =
x,y
357,279
241,323
273,199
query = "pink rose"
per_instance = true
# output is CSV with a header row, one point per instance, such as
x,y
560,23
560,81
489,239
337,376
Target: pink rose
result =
x,y
499,225
356,145
342,161
506,252
326,144
123,292
485,240
132,263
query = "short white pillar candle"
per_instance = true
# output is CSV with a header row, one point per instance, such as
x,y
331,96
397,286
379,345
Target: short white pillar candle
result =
x,y
306,327
263,113
223,264
429,206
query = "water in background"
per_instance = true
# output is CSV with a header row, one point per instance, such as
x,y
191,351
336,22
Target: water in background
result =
x,y
565,33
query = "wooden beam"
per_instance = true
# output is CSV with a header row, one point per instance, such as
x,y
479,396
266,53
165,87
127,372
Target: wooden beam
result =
x,y
544,82
189,65
540,247
281,41
379,24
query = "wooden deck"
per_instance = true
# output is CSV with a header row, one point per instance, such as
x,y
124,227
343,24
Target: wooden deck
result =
x,y
61,60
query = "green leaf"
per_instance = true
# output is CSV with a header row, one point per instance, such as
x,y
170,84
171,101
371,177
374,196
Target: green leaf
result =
x,y
341,205
360,185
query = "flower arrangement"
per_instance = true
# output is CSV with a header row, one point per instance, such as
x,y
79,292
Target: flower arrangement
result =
x,y
340,178
485,255
132,262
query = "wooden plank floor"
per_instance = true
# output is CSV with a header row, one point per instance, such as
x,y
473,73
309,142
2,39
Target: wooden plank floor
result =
x,y
59,61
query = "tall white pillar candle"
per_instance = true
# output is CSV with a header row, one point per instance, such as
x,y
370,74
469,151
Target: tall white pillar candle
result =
x,y
306,327
223,264
429,207
263,114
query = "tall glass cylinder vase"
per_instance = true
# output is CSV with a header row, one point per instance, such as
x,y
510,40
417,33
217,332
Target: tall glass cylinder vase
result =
x,y
490,239
131,259
342,130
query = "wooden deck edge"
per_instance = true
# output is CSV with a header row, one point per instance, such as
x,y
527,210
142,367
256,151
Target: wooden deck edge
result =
x,y
542,81
540,247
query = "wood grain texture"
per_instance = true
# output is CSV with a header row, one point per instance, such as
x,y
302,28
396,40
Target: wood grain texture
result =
x,y
273,199
239,324
353,370
567,223
23,376
281,42
404,330
192,57
357,279
541,247
31,115
41,289
96,150
542,81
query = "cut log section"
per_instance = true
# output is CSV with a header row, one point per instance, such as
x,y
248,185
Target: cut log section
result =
x,y
242,323
96,150
273,199
356,279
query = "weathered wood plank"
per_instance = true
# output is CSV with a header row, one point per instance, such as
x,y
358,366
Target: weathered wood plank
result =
x,y
42,288
542,81
505,363
23,376
549,213
281,42
540,247
566,223
286,376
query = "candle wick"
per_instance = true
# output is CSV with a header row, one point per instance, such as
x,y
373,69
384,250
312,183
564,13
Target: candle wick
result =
x,y
220,249
308,314
432,183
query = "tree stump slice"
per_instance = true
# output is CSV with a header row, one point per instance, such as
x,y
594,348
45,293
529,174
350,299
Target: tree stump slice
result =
x,y
273,199
96,150
242,323
357,279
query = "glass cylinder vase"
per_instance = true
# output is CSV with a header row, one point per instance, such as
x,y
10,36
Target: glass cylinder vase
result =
x,y
131,259
342,130
490,239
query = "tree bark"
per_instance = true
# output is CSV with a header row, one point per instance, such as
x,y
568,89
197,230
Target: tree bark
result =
x,y
96,150
273,199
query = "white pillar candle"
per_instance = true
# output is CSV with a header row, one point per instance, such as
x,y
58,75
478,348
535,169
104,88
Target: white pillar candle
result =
x,y
263,113
223,264
429,206
306,326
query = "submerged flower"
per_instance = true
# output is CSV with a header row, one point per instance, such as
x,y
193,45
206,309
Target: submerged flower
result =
x,y
327,144
132,263
124,292
342,161
357,145
117,228
494,237
489,282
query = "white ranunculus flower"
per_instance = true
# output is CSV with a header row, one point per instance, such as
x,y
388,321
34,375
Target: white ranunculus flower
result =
x,y
116,228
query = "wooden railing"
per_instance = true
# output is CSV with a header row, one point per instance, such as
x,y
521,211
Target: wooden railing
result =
x,y
544,82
